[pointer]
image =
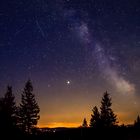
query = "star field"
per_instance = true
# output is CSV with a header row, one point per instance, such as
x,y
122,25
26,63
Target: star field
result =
x,y
73,51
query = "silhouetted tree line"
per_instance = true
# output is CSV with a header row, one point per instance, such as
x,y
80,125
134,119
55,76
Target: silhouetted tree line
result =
x,y
105,118
21,118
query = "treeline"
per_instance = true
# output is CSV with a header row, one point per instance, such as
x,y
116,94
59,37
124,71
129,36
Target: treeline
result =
x,y
105,118
22,118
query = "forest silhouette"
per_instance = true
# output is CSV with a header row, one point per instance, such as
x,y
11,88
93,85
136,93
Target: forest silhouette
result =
x,y
20,122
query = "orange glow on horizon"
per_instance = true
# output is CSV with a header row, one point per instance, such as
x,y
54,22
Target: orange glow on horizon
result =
x,y
123,118
60,124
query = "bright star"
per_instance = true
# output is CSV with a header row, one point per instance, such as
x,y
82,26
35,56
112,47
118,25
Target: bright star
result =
x,y
68,82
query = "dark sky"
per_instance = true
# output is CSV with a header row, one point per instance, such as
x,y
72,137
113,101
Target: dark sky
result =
x,y
73,51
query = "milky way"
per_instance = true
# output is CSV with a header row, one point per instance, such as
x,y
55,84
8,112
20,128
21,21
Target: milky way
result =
x,y
110,73
73,51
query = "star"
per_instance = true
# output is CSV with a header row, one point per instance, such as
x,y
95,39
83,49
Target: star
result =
x,y
68,82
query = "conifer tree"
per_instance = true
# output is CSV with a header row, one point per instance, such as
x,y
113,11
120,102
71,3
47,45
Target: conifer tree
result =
x,y
137,122
84,123
95,118
28,109
108,118
8,110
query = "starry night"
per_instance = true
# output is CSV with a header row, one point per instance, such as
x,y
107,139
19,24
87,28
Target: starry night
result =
x,y
70,69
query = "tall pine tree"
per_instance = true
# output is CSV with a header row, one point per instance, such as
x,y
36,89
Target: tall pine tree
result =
x,y
95,118
8,110
28,109
108,118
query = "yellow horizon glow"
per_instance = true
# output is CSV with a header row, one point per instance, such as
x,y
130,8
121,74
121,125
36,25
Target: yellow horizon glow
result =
x,y
120,116
59,124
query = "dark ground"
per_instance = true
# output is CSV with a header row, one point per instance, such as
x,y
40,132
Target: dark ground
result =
x,y
77,134
91,134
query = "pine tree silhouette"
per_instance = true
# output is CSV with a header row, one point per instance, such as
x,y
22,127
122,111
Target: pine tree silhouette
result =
x,y
8,109
108,118
95,118
28,109
84,123
137,122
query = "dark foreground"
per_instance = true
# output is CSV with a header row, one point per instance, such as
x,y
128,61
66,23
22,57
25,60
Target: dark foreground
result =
x,y
80,134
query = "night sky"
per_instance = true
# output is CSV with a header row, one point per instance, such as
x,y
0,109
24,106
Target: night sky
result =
x,y
73,51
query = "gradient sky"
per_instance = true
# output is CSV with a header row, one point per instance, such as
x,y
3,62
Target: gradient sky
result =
x,y
73,51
